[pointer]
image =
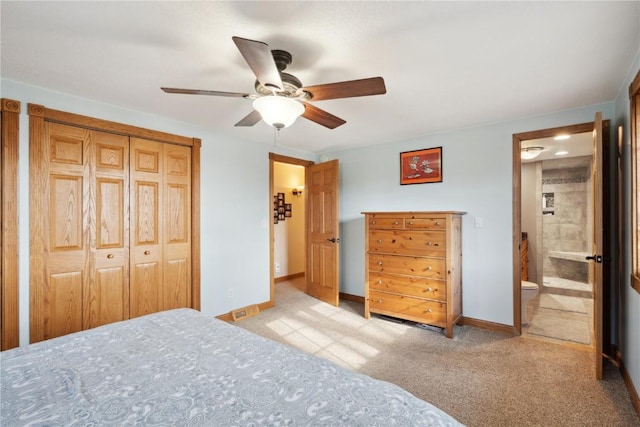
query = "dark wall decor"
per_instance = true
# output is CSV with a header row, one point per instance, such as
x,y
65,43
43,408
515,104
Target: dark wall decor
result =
x,y
421,166
281,210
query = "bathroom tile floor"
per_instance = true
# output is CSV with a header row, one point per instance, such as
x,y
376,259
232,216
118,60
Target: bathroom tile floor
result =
x,y
561,319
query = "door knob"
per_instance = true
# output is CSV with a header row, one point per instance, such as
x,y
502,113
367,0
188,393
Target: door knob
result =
x,y
596,258
334,240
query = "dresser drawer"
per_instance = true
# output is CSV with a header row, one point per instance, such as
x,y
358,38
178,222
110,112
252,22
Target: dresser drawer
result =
x,y
409,266
409,285
402,242
415,309
425,223
382,222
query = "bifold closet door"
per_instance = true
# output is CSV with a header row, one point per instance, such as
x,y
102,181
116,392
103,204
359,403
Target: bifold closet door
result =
x,y
160,226
80,265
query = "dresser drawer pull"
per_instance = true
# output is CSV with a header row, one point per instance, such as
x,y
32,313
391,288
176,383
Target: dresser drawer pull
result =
x,y
379,301
380,282
379,240
429,289
429,243
110,256
379,262
429,268
410,222
147,252
437,222
395,222
373,223
429,311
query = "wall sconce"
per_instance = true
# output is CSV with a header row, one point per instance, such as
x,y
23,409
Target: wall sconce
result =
x,y
297,191
528,153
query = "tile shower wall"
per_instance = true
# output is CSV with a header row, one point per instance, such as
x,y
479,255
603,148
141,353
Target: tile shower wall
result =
x,y
566,216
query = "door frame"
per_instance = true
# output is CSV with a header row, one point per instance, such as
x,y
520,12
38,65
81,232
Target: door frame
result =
x,y
518,138
273,157
9,220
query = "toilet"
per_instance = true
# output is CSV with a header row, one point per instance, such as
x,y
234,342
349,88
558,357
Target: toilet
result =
x,y
528,291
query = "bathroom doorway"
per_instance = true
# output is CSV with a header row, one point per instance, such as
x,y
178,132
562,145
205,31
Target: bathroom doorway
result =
x,y
557,228
603,214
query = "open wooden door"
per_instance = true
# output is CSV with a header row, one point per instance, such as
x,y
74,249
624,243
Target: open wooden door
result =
x,y
323,232
597,244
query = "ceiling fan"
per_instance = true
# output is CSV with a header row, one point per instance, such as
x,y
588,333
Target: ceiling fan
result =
x,y
280,97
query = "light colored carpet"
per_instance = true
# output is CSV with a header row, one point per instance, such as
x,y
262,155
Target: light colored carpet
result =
x,y
562,303
575,330
481,378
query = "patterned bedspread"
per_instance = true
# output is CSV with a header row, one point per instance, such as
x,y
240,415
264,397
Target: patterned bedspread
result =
x,y
180,367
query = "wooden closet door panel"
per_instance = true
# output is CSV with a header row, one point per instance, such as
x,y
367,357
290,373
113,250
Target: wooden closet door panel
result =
x,y
177,225
146,264
64,304
66,223
107,298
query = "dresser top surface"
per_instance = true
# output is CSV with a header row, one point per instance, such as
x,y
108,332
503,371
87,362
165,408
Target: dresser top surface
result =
x,y
416,213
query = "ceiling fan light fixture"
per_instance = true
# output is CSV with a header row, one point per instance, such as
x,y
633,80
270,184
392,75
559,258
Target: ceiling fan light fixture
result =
x,y
528,153
278,111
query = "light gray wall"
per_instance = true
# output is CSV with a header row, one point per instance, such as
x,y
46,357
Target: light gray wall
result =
x,y
477,178
629,333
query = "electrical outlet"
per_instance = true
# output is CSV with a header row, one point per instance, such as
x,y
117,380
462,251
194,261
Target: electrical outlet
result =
x,y
277,267
479,223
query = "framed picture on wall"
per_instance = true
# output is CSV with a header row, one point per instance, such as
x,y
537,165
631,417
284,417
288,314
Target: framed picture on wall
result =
x,y
421,166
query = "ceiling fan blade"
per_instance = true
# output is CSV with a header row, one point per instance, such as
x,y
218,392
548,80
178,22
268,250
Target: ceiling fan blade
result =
x,y
204,92
249,120
349,89
321,117
260,60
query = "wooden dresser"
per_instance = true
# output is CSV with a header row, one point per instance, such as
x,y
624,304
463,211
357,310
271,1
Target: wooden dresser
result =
x,y
414,266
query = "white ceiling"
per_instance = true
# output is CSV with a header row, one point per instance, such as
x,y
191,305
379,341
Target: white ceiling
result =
x,y
578,145
447,65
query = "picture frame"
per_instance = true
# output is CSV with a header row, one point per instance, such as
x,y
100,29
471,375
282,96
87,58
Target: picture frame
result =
x,y
421,166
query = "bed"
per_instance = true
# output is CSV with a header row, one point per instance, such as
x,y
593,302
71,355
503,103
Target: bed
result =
x,y
180,367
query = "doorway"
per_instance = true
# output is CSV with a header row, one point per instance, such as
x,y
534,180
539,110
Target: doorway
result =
x,y
603,258
557,226
321,235
288,226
